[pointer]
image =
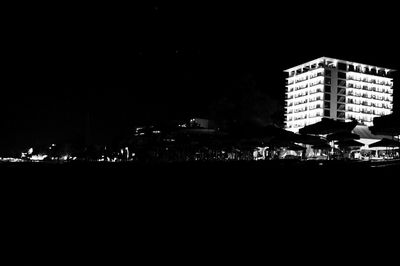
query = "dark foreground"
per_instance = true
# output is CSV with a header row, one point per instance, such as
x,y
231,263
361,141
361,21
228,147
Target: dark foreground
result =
x,y
109,214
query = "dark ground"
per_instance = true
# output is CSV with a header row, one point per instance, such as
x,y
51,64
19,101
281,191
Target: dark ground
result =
x,y
90,214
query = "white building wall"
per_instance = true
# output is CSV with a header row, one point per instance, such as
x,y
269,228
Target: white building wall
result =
x,y
364,97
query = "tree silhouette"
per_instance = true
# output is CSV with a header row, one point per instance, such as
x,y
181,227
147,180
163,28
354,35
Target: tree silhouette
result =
x,y
245,103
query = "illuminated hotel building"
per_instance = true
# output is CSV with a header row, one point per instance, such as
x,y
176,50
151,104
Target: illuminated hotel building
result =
x,y
338,89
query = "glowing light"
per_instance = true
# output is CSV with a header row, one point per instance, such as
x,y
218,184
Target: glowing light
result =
x,y
10,159
39,157
30,151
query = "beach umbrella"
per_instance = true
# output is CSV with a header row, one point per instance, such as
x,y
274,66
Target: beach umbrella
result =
x,y
385,143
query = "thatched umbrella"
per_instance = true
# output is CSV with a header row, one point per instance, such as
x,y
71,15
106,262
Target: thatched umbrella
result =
x,y
308,139
323,146
349,144
258,136
342,136
328,126
295,147
282,143
261,133
386,125
278,142
385,143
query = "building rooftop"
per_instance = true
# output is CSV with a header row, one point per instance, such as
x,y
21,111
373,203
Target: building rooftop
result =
x,y
323,58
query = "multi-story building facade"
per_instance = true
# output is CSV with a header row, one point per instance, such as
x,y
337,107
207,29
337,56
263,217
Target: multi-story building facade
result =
x,y
338,89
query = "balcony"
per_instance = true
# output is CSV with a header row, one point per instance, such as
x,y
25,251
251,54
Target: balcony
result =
x,y
341,92
317,106
301,96
301,80
288,97
369,104
298,104
320,74
289,82
315,100
366,96
316,115
316,84
317,91
366,88
369,81
301,87
342,99
365,112
372,74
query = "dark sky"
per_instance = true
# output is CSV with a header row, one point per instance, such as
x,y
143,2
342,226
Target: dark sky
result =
x,y
137,63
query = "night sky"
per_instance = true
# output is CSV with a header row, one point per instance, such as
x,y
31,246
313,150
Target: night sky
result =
x,y
129,65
